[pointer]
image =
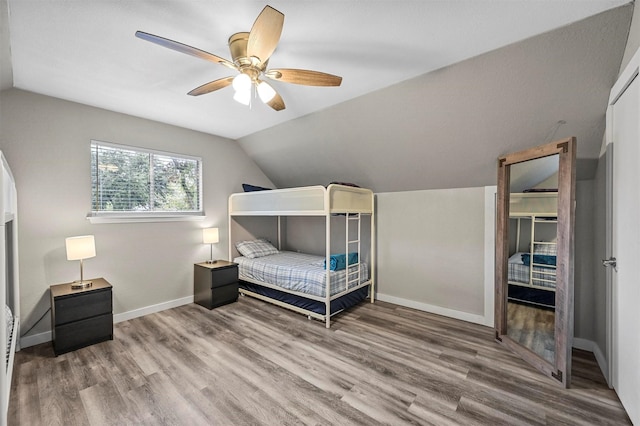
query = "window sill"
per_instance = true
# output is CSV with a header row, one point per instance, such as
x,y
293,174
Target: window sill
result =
x,y
144,218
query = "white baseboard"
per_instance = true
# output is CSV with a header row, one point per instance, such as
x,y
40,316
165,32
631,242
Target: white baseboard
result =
x,y
35,339
583,344
39,338
147,310
438,310
590,346
602,362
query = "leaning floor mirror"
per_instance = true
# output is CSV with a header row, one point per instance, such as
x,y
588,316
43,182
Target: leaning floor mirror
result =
x,y
534,256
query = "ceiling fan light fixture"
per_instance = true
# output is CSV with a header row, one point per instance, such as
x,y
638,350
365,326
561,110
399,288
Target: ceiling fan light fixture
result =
x,y
242,83
243,96
250,53
265,91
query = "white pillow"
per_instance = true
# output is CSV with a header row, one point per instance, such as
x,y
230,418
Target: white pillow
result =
x,y
256,248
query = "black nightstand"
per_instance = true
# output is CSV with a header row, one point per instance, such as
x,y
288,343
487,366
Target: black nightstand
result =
x,y
81,317
215,284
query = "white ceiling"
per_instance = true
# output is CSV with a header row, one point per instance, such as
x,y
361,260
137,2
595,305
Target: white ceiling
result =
x,y
85,51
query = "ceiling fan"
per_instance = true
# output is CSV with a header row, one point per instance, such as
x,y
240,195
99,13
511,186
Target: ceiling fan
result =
x,y
250,53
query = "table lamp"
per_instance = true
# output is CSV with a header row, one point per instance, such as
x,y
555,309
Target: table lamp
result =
x,y
210,236
80,248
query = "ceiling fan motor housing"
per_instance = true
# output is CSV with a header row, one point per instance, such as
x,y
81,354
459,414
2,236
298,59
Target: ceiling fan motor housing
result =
x,y
238,47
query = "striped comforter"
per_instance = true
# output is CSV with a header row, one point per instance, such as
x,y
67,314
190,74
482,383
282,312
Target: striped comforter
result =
x,y
298,272
519,272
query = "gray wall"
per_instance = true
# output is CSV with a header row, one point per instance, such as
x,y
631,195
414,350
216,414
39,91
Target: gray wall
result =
x,y
446,128
583,267
431,247
46,142
430,243
633,40
307,234
431,250
6,72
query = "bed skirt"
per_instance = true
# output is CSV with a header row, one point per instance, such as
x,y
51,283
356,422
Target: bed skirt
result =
x,y
337,305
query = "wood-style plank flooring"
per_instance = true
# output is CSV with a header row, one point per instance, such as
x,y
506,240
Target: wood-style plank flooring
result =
x,y
251,363
533,328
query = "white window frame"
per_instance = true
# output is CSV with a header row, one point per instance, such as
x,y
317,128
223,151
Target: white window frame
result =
x,y
97,216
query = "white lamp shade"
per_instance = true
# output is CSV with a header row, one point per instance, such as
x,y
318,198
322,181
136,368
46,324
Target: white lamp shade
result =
x,y
82,247
241,83
243,97
265,91
210,236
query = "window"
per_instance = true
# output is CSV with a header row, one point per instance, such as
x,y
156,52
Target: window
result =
x,y
133,182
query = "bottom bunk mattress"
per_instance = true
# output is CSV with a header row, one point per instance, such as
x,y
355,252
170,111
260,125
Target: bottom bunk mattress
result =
x,y
532,296
338,304
300,272
519,273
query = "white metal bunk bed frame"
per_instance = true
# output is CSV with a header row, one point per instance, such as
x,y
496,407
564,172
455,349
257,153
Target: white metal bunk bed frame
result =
x,y
8,208
547,208
316,201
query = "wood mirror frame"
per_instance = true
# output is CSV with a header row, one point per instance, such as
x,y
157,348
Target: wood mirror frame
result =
x,y
560,370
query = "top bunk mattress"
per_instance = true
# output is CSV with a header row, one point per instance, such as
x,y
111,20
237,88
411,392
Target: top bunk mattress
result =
x,y
533,204
299,272
302,201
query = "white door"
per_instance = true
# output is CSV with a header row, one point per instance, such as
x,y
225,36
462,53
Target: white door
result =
x,y
624,133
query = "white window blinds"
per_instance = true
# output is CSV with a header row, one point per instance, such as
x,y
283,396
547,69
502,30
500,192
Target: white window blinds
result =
x,y
126,179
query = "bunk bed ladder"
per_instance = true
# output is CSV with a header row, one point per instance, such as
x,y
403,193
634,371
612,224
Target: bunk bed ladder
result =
x,y
352,277
548,277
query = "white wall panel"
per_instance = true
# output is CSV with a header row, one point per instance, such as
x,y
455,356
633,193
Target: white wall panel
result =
x,y
431,247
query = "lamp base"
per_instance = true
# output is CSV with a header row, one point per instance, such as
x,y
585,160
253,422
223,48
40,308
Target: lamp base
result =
x,y
81,284
212,261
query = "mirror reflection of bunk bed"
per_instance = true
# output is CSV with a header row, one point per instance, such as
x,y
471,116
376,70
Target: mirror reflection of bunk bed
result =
x,y
532,248
9,293
318,285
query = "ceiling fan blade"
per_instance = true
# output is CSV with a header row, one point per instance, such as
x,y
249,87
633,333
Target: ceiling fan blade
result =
x,y
265,34
276,103
211,86
304,77
183,48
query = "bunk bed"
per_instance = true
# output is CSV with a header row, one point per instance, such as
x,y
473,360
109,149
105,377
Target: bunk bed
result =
x,y
318,286
9,293
532,260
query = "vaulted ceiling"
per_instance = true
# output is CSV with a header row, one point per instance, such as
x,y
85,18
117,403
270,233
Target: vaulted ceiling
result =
x,y
433,91
446,128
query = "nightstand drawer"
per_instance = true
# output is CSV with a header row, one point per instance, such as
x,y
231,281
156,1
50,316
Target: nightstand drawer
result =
x,y
223,277
81,306
223,295
79,334
215,276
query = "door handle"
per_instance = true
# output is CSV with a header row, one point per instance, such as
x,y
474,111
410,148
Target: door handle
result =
x,y
610,262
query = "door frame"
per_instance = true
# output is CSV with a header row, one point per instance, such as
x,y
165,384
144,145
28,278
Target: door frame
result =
x,y
627,76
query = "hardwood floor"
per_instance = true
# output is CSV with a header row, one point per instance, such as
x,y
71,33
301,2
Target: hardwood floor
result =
x,y
533,328
254,363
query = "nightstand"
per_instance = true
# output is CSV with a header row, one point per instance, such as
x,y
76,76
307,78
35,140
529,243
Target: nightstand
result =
x,y
81,317
215,284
